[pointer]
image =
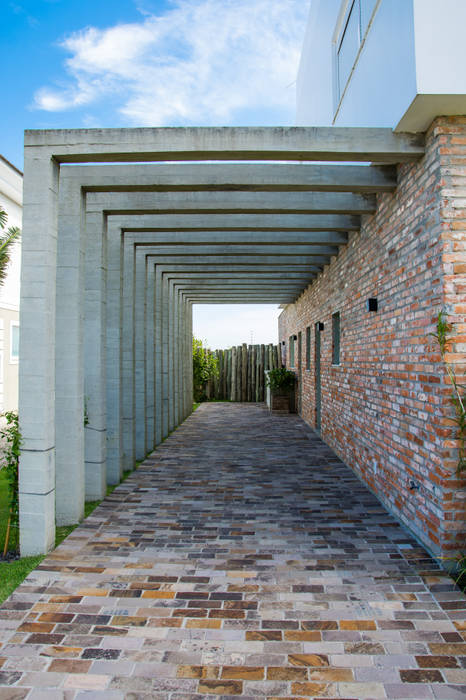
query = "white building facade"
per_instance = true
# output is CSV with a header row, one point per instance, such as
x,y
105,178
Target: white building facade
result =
x,y
11,200
384,63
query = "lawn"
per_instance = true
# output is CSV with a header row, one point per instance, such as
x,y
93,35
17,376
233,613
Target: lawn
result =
x,y
4,512
12,573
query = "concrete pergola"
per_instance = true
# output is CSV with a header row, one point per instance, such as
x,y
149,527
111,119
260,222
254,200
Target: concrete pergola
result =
x,y
114,257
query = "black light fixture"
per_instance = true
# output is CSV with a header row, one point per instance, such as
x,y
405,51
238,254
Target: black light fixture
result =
x,y
295,337
372,304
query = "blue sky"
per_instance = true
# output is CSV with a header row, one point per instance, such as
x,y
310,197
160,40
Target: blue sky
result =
x,y
91,63
86,63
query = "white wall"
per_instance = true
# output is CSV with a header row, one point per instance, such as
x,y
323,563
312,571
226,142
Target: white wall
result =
x,y
440,45
314,90
11,199
383,84
411,66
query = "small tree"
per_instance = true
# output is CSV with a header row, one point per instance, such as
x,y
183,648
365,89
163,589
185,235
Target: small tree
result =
x,y
205,367
7,238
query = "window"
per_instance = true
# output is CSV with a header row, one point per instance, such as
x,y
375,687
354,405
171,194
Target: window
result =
x,y
348,48
308,347
291,350
336,338
351,37
14,341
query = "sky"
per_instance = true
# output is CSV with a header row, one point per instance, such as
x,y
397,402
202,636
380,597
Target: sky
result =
x,y
125,63
235,324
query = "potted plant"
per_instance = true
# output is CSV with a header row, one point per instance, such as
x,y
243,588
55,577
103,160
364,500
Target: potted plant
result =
x,y
281,384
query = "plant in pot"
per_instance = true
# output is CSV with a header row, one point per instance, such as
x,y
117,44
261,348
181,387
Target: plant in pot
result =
x,y
281,383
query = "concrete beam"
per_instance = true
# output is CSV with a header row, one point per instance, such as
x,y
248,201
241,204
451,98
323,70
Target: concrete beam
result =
x,y
147,235
202,268
246,222
240,249
236,202
254,177
227,143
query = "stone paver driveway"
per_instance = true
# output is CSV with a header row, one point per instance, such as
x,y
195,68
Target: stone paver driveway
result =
x,y
241,559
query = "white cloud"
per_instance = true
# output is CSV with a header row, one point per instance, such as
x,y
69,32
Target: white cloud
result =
x,y
202,62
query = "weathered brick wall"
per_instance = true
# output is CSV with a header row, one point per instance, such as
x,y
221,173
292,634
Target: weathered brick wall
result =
x,y
386,409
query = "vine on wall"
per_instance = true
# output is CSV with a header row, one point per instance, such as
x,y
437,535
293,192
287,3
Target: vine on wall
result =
x,y
458,396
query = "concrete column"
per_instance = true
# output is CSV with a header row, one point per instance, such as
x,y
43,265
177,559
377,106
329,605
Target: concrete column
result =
x,y
158,358
165,357
179,354
189,359
69,393
184,360
174,355
171,359
94,355
149,355
190,382
37,352
128,355
114,354
139,333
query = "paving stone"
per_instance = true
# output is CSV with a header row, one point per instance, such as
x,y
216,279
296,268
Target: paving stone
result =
x,y
242,559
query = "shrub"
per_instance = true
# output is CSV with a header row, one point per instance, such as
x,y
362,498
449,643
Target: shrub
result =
x,y
281,379
205,368
11,451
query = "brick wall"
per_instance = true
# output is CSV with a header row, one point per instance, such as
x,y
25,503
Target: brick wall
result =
x,y
386,409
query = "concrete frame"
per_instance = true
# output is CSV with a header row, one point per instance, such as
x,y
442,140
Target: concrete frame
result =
x,y
103,301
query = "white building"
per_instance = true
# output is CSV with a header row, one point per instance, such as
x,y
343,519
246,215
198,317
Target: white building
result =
x,y
11,200
384,63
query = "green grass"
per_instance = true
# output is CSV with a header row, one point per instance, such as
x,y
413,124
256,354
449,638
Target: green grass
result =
x,y
457,570
195,405
4,513
12,573
15,571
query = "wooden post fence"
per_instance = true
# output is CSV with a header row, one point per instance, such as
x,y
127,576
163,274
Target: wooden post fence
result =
x,y
241,372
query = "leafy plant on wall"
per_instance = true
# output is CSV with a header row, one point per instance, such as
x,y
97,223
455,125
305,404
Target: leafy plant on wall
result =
x,y
205,367
458,396
7,238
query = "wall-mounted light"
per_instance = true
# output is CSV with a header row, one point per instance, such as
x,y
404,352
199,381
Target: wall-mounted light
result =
x,y
295,337
372,304
320,326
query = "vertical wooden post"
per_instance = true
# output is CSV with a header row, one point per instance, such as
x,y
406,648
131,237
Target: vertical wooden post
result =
x,y
256,359
249,373
244,372
237,374
261,372
220,356
233,374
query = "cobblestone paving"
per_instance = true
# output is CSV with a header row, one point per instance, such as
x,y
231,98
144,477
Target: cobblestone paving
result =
x,y
242,559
